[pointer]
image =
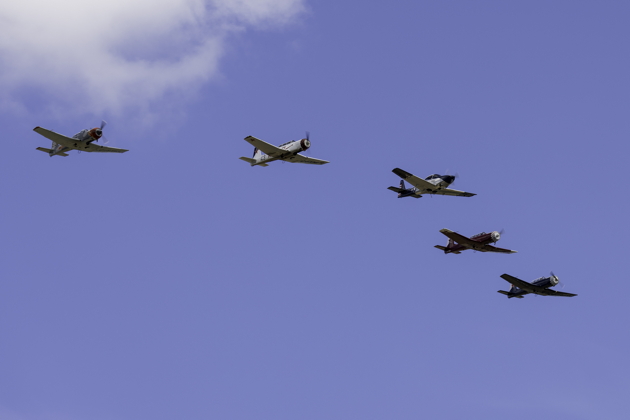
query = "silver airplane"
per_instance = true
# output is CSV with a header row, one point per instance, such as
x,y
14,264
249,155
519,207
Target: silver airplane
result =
x,y
540,286
288,152
82,141
433,184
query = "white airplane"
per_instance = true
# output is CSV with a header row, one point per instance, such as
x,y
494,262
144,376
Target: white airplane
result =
x,y
433,184
289,152
82,141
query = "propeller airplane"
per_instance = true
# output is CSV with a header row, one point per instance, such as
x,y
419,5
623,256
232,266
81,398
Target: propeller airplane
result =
x,y
82,141
433,184
480,242
288,152
540,286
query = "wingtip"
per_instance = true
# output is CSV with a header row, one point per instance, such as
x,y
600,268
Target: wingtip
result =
x,y
445,231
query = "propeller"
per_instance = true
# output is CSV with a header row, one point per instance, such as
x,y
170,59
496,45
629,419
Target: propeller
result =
x,y
454,176
560,284
103,139
307,144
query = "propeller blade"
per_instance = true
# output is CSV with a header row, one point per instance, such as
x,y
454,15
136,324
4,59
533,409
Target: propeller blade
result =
x,y
103,124
104,139
307,135
501,231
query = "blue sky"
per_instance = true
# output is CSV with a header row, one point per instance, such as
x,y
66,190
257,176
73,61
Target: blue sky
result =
x,y
175,281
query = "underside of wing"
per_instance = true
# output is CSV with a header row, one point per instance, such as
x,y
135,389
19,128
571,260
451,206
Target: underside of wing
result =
x,y
95,148
305,159
413,180
550,292
448,191
490,248
264,147
522,284
56,137
460,239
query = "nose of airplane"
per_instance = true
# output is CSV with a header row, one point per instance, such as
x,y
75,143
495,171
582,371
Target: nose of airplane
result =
x,y
448,178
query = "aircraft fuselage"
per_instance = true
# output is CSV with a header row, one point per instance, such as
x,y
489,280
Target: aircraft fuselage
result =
x,y
482,238
545,282
84,136
292,148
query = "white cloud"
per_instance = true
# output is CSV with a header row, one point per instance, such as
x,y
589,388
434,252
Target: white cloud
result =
x,y
117,55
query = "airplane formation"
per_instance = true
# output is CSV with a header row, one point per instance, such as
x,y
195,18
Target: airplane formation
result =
x,y
264,153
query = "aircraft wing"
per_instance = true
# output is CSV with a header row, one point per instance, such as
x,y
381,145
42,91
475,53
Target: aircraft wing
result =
x,y
522,284
414,180
101,149
56,137
550,292
265,147
490,248
460,239
298,158
448,191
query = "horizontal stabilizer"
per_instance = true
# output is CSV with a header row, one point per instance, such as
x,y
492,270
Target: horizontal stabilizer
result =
x,y
43,149
395,189
252,161
503,292
443,248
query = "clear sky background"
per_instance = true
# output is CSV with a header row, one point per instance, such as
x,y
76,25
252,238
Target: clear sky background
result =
x,y
177,282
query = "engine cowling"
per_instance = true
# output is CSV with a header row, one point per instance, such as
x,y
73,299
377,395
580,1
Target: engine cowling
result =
x,y
495,236
305,143
95,134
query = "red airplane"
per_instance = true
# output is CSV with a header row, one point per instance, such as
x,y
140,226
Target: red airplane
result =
x,y
480,242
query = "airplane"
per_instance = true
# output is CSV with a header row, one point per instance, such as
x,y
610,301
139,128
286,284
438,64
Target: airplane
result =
x,y
433,184
288,152
480,242
82,141
540,286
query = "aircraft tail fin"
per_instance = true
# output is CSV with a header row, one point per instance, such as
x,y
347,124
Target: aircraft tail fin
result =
x,y
257,153
451,243
402,187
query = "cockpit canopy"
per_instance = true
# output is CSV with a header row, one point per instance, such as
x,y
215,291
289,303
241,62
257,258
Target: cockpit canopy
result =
x,y
433,176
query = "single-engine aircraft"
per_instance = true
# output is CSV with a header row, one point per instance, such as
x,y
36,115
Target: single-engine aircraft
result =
x,y
433,184
540,286
288,152
82,141
480,242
